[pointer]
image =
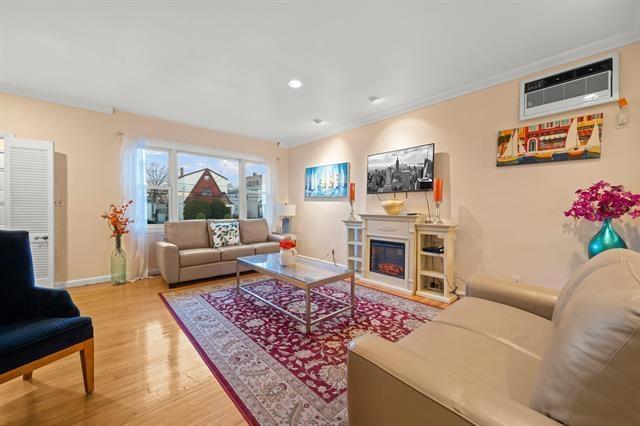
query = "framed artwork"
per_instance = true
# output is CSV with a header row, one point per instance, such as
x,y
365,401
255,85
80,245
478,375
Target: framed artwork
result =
x,y
574,138
331,181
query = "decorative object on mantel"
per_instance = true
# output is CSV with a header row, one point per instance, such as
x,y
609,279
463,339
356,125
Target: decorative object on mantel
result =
x,y
568,139
118,224
392,207
329,181
288,252
352,200
603,202
437,199
286,211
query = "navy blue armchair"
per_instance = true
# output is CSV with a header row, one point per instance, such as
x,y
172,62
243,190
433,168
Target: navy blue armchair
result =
x,y
37,325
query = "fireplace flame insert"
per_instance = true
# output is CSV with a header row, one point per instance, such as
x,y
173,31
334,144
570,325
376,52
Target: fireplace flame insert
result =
x,y
387,258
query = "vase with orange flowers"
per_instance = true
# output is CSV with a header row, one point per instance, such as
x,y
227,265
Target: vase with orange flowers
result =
x,y
288,252
118,222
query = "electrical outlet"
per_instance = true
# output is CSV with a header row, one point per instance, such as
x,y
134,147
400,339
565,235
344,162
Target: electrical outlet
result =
x,y
515,279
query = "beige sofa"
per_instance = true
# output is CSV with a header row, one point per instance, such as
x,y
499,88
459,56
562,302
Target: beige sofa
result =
x,y
186,253
512,355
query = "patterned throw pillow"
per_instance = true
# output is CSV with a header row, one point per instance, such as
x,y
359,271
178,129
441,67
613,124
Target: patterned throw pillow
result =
x,y
225,234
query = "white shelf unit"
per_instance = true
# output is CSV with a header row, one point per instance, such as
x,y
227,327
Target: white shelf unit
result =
x,y
355,255
435,271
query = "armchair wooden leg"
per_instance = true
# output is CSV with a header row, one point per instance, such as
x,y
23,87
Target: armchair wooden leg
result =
x,y
27,376
86,358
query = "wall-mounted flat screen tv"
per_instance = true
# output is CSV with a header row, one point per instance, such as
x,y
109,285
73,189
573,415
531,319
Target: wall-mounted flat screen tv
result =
x,y
402,170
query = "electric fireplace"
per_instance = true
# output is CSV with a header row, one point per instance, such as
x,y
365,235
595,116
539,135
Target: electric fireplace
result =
x,y
387,258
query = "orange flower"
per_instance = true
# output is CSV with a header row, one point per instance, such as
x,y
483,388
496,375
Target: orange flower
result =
x,y
287,244
116,219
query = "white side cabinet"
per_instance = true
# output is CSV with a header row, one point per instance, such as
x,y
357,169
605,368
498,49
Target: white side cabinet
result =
x,y
435,271
355,255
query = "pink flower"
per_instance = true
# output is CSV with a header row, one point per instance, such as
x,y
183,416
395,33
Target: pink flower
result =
x,y
603,201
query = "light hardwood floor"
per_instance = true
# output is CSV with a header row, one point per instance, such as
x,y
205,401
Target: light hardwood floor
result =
x,y
146,370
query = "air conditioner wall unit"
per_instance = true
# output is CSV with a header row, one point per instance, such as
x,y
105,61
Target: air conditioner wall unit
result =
x,y
592,83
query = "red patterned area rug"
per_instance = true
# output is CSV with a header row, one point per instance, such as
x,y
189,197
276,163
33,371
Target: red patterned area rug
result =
x,y
273,371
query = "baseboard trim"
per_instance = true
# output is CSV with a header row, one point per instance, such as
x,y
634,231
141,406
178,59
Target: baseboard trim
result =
x,y
83,281
322,261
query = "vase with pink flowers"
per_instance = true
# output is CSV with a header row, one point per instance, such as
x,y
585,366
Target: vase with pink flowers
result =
x,y
603,202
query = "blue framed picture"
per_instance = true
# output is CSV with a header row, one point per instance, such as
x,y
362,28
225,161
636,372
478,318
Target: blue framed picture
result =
x,y
331,181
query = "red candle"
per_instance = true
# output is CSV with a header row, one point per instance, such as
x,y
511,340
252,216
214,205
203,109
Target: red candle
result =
x,y
352,191
437,190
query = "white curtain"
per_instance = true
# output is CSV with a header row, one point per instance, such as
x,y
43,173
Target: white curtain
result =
x,y
133,183
269,212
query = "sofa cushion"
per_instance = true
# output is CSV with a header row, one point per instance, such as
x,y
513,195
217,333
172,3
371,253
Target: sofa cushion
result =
x,y
187,234
28,340
210,222
514,327
491,364
269,247
253,231
199,256
589,373
225,234
234,252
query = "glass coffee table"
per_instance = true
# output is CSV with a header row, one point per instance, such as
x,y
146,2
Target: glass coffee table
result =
x,y
305,274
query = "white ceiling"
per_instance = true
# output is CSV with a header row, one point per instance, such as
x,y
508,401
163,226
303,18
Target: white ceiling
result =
x,y
225,65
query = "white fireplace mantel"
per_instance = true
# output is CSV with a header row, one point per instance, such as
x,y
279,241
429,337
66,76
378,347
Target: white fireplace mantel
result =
x,y
399,229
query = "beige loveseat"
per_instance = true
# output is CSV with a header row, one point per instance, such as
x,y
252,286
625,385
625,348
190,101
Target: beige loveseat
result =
x,y
512,355
186,253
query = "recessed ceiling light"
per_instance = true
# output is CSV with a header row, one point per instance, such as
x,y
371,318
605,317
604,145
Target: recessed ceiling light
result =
x,y
318,121
295,84
374,99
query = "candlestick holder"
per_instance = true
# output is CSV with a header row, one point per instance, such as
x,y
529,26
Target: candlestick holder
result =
x,y
352,215
437,218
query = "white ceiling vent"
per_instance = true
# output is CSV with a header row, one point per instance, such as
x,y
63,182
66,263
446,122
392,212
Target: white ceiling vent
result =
x,y
586,85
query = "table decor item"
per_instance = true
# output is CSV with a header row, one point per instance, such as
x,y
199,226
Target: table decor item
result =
x,y
352,200
288,252
437,199
603,202
118,224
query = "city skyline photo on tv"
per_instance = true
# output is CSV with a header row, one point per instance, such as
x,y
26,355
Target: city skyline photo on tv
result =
x,y
401,170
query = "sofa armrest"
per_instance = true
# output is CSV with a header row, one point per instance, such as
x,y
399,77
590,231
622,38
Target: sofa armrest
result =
x,y
168,257
50,302
531,298
388,384
276,238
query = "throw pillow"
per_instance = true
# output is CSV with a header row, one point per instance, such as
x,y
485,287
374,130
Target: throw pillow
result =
x,y
225,234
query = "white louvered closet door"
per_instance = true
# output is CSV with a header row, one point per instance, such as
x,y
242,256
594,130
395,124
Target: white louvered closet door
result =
x,y
29,200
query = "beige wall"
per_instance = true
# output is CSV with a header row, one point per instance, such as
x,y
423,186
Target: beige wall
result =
x,y
511,219
87,146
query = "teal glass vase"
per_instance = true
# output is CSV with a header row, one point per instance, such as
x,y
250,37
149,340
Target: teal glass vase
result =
x,y
118,265
607,238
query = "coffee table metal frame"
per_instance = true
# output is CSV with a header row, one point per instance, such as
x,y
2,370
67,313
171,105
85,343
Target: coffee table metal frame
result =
x,y
307,287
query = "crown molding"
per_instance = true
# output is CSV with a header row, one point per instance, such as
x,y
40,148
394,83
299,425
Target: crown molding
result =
x,y
56,99
513,74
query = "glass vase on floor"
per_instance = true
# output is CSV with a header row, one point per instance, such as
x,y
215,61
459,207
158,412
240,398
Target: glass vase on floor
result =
x,y
118,265
606,239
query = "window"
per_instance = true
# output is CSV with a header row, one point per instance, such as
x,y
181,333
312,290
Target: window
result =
x,y
183,184
256,187
207,187
156,165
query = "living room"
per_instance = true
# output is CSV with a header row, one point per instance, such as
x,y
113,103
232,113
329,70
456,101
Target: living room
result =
x,y
319,212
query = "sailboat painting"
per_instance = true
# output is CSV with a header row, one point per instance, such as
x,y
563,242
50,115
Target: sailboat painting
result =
x,y
568,139
330,181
